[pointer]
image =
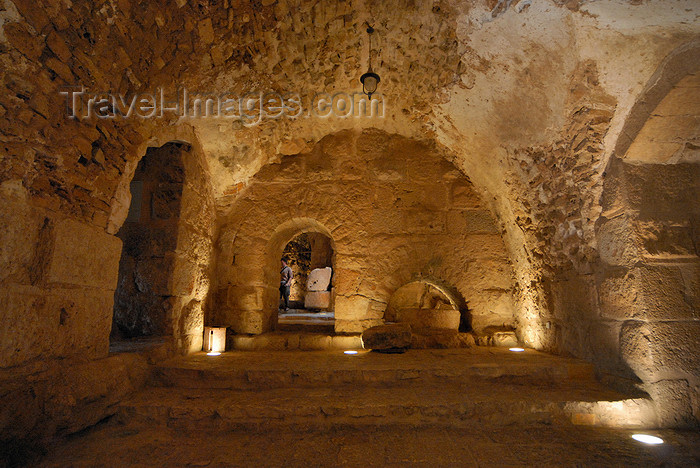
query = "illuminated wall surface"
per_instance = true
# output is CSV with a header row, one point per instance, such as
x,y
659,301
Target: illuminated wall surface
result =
x,y
537,165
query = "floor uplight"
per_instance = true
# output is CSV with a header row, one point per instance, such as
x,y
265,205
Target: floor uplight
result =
x,y
350,352
213,353
516,350
648,439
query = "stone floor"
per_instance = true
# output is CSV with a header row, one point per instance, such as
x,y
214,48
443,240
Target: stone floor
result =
x,y
114,445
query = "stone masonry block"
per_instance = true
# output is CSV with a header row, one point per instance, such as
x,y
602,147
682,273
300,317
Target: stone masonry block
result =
x,y
484,246
27,325
616,242
488,274
661,350
422,221
245,297
319,279
652,292
84,322
84,256
19,231
358,307
317,300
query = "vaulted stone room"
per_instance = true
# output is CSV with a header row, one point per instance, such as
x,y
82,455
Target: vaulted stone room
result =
x,y
488,212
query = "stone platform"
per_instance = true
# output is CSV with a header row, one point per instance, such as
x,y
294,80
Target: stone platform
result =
x,y
474,407
454,388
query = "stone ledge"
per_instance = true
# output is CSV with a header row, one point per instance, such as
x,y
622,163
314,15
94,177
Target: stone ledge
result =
x,y
45,398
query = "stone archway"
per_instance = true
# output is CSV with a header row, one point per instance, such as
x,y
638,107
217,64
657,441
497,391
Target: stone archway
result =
x,y
281,238
167,233
143,298
306,253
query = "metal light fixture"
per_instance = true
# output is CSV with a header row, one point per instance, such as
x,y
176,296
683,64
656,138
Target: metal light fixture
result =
x,y
369,80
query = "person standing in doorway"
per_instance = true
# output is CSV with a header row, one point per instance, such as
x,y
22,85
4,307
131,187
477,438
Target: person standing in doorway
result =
x,y
286,276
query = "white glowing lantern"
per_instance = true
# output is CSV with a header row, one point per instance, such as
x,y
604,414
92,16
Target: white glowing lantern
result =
x,y
214,340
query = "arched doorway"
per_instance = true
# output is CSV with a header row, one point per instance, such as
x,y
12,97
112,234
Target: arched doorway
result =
x,y
166,248
149,235
310,255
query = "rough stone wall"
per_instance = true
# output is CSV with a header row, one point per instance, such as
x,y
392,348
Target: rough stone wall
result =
x,y
500,99
396,211
631,305
557,186
192,264
649,282
298,252
636,313
58,280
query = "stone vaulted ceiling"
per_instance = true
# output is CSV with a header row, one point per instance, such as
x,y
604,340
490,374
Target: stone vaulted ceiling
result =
x,y
527,97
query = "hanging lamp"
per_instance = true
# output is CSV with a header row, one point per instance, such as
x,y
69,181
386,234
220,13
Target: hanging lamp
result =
x,y
369,80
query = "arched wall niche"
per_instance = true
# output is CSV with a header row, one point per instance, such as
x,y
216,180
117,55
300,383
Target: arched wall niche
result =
x,y
395,209
195,166
428,303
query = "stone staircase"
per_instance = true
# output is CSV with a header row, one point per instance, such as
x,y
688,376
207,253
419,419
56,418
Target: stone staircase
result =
x,y
317,390
298,330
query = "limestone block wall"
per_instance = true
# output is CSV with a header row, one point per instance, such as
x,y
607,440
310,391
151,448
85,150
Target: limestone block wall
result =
x,y
58,277
57,280
191,278
395,210
636,314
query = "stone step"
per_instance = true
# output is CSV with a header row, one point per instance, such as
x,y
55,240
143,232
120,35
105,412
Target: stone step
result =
x,y
296,369
411,405
327,328
302,338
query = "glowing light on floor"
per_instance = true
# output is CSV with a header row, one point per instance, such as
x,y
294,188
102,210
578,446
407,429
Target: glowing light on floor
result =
x,y
516,350
214,353
349,352
648,439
